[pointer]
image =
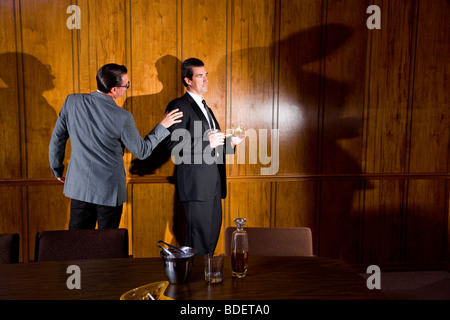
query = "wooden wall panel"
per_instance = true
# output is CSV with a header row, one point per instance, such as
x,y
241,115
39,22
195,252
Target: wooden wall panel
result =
x,y
296,205
425,227
343,88
251,101
47,78
384,205
385,133
430,115
11,117
10,112
258,212
340,220
388,108
362,115
430,122
101,40
252,76
299,83
153,218
341,114
155,75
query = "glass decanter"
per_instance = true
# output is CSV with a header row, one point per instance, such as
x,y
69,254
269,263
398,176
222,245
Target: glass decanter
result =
x,y
239,250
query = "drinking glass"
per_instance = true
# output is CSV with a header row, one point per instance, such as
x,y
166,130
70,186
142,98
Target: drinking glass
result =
x,y
213,267
239,130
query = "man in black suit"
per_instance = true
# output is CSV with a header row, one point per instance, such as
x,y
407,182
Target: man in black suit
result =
x,y
198,149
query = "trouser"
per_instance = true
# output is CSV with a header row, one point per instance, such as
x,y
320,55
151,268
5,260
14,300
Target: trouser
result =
x,y
84,215
203,223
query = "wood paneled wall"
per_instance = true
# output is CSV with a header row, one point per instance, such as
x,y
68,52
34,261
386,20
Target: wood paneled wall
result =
x,y
361,115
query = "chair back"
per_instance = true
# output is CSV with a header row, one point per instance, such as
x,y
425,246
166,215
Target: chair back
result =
x,y
81,244
9,248
275,241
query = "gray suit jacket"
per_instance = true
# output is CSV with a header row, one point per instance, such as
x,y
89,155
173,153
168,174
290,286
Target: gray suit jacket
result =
x,y
98,130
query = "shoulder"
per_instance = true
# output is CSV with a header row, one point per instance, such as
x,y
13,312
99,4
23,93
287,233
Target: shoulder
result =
x,y
73,101
81,98
105,102
183,103
96,101
74,97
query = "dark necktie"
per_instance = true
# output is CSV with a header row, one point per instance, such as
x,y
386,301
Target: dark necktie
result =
x,y
210,119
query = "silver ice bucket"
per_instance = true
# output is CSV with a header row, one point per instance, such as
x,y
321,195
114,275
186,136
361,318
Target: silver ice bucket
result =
x,y
178,267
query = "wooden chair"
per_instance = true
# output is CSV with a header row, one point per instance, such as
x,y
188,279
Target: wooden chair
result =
x,y
9,248
81,244
275,241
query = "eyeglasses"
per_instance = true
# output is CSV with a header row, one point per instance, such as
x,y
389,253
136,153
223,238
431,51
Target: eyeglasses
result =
x,y
126,86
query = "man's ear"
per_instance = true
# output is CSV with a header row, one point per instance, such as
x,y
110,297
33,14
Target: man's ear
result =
x,y
113,91
188,81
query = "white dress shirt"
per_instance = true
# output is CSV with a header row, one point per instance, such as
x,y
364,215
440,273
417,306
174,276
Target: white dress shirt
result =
x,y
198,99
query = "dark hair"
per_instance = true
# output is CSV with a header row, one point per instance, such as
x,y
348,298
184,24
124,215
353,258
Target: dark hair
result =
x,y
110,76
186,68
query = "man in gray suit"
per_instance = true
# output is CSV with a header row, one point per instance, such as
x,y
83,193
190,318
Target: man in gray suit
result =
x,y
99,130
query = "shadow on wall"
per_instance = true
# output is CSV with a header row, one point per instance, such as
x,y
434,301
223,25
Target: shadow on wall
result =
x,y
312,122
26,79
147,108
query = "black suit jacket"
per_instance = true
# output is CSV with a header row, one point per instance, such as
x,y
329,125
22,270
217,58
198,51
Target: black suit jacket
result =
x,y
197,166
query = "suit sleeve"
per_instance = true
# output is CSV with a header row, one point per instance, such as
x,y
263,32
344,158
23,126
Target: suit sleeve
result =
x,y
57,147
141,148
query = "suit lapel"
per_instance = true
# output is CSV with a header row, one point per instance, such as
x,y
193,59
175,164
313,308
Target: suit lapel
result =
x,y
198,111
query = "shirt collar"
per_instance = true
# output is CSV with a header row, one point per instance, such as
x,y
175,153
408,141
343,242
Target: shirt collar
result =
x,y
196,98
103,96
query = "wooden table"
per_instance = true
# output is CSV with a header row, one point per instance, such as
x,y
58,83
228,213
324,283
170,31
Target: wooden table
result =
x,y
269,278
